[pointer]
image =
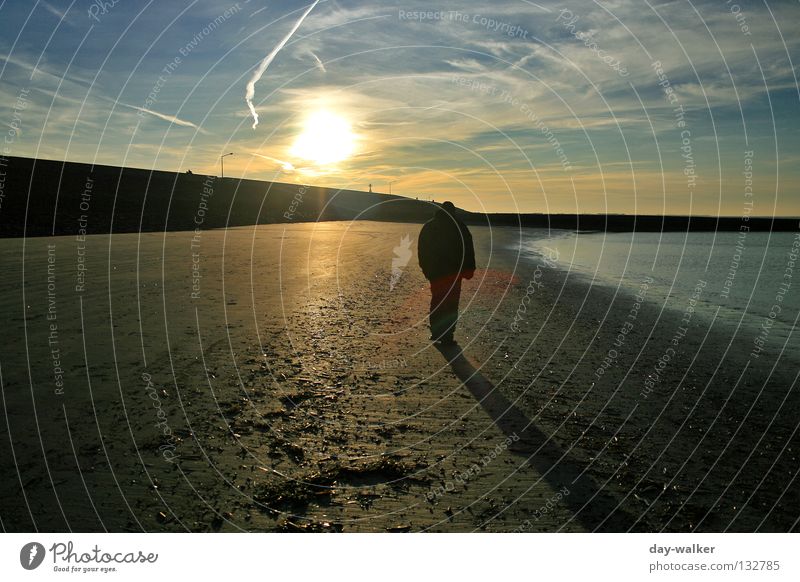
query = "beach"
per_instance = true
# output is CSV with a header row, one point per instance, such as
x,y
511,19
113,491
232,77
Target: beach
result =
x,y
281,378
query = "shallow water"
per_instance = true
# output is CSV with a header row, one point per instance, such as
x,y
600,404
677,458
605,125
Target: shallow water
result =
x,y
751,280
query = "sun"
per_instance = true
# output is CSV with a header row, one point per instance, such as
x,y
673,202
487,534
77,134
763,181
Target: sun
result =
x,y
326,139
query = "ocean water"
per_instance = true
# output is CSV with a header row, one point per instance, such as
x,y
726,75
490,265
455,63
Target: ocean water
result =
x,y
750,281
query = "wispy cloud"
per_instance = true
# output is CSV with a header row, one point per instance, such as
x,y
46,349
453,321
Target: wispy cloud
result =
x,y
285,166
443,104
53,10
320,66
170,118
250,90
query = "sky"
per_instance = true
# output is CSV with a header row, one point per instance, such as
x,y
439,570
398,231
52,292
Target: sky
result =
x,y
630,107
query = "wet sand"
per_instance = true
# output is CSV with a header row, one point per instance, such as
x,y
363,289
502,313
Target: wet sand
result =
x,y
288,388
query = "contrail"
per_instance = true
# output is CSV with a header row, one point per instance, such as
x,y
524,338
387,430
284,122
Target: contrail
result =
x,y
320,66
170,118
251,84
285,166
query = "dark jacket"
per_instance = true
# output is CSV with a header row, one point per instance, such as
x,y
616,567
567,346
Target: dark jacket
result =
x,y
445,248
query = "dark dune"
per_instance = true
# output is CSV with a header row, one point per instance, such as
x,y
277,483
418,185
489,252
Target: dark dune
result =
x,y
44,198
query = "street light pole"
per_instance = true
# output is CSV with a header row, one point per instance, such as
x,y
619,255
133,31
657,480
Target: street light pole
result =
x,y
390,186
222,164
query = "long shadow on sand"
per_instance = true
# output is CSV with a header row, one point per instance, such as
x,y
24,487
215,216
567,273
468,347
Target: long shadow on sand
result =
x,y
592,507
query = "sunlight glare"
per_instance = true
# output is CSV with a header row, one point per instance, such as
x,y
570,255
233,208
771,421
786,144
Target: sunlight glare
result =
x,y
327,138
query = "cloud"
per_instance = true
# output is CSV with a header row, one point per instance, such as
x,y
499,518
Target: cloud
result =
x,y
171,118
285,166
320,66
394,79
53,10
250,90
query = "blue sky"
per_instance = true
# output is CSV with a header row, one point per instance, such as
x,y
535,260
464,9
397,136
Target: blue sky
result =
x,y
502,106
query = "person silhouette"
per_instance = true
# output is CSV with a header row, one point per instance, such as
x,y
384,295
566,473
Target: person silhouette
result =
x,y
446,255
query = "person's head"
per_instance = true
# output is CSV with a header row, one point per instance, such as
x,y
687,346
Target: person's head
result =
x,y
448,208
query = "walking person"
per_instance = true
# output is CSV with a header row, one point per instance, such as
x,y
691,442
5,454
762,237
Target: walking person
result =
x,y
446,255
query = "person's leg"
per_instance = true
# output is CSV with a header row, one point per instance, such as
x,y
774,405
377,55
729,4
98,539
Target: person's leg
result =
x,y
450,307
438,294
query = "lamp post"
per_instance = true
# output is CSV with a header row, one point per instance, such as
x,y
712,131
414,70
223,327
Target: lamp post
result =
x,y
390,185
222,164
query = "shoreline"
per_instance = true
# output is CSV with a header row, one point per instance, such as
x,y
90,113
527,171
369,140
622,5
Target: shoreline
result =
x,y
736,386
